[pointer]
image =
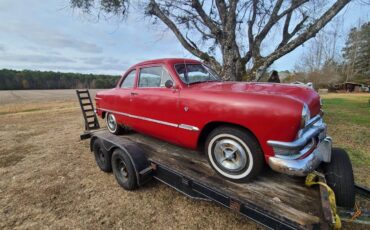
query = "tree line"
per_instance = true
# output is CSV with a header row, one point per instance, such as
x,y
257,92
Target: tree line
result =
x,y
326,65
28,79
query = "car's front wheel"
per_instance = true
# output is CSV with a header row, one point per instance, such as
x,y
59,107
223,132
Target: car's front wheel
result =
x,y
112,124
234,153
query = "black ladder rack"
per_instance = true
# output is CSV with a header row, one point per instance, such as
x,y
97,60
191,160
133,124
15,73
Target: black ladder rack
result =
x,y
87,107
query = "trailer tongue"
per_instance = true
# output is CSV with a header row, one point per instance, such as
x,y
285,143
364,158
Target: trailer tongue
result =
x,y
273,200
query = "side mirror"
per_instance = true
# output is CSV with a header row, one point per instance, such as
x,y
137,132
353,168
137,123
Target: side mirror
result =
x,y
168,84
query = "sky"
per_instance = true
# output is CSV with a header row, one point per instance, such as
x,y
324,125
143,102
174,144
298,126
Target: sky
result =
x,y
49,35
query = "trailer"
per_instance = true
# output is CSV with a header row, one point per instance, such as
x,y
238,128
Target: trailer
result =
x,y
274,200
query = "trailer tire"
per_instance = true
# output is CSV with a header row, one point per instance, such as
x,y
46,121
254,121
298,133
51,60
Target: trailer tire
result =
x,y
102,156
234,153
339,176
124,170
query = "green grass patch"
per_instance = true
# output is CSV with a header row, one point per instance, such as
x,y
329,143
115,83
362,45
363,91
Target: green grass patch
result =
x,y
348,119
348,111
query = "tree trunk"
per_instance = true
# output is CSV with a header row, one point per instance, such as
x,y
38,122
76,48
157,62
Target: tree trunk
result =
x,y
258,69
233,68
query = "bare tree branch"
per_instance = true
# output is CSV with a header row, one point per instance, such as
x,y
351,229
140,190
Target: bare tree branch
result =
x,y
206,19
202,31
286,25
221,7
154,9
310,32
286,35
231,15
275,17
250,30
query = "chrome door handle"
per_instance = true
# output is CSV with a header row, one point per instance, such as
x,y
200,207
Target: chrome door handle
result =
x,y
133,94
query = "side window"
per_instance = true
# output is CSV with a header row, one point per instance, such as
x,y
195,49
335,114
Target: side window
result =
x,y
129,80
153,77
165,76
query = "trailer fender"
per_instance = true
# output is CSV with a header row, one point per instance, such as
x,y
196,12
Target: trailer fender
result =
x,y
143,169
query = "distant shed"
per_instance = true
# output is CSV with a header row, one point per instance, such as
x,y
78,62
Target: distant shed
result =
x,y
352,87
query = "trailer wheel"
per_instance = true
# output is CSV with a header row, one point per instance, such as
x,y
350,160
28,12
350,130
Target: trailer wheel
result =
x,y
123,170
234,153
339,176
112,124
102,157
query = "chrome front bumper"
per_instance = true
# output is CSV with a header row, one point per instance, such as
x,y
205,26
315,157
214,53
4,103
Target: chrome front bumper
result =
x,y
290,157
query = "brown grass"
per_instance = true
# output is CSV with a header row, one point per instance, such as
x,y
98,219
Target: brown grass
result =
x,y
48,177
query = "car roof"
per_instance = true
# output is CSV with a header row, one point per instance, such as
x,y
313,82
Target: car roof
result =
x,y
170,61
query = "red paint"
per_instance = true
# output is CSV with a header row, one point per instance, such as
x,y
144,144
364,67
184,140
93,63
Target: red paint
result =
x,y
269,111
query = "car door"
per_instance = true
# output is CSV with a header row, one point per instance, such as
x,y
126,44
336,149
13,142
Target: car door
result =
x,y
123,103
154,105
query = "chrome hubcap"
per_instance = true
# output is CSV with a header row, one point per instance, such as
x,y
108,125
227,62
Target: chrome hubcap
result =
x,y
111,122
230,155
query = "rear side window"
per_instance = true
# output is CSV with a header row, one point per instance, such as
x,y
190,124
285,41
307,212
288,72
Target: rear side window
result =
x,y
129,80
153,77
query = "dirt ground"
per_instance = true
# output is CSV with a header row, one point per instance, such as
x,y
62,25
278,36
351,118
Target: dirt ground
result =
x,y
49,179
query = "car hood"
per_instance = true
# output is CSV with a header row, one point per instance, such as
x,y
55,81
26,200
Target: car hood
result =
x,y
300,93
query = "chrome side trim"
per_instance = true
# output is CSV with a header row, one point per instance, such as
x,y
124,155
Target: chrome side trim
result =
x,y
188,127
153,120
181,126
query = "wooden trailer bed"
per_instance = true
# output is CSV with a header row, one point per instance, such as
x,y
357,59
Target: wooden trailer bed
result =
x,y
281,196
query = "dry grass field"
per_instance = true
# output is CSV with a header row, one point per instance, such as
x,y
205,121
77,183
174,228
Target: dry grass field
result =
x,y
48,178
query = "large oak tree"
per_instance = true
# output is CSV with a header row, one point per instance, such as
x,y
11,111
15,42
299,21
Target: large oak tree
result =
x,y
236,37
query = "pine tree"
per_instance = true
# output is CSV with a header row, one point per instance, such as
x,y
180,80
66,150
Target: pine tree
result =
x,y
357,54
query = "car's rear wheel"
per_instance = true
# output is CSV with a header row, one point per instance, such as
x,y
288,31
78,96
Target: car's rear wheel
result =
x,y
112,124
234,153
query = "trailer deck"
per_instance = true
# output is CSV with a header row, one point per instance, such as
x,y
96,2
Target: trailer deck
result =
x,y
274,200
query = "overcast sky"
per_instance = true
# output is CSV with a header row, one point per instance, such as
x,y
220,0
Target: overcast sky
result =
x,y
48,35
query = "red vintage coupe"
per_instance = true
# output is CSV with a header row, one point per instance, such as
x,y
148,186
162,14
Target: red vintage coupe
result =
x,y
239,125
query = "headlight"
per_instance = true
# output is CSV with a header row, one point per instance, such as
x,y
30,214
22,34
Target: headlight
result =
x,y
305,116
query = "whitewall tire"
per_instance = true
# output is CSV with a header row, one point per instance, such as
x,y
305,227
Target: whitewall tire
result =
x,y
112,124
234,153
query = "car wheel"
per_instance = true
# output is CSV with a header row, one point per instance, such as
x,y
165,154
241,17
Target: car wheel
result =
x,y
339,176
112,125
102,157
234,153
123,170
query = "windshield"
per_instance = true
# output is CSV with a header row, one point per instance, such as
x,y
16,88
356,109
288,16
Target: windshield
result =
x,y
195,73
